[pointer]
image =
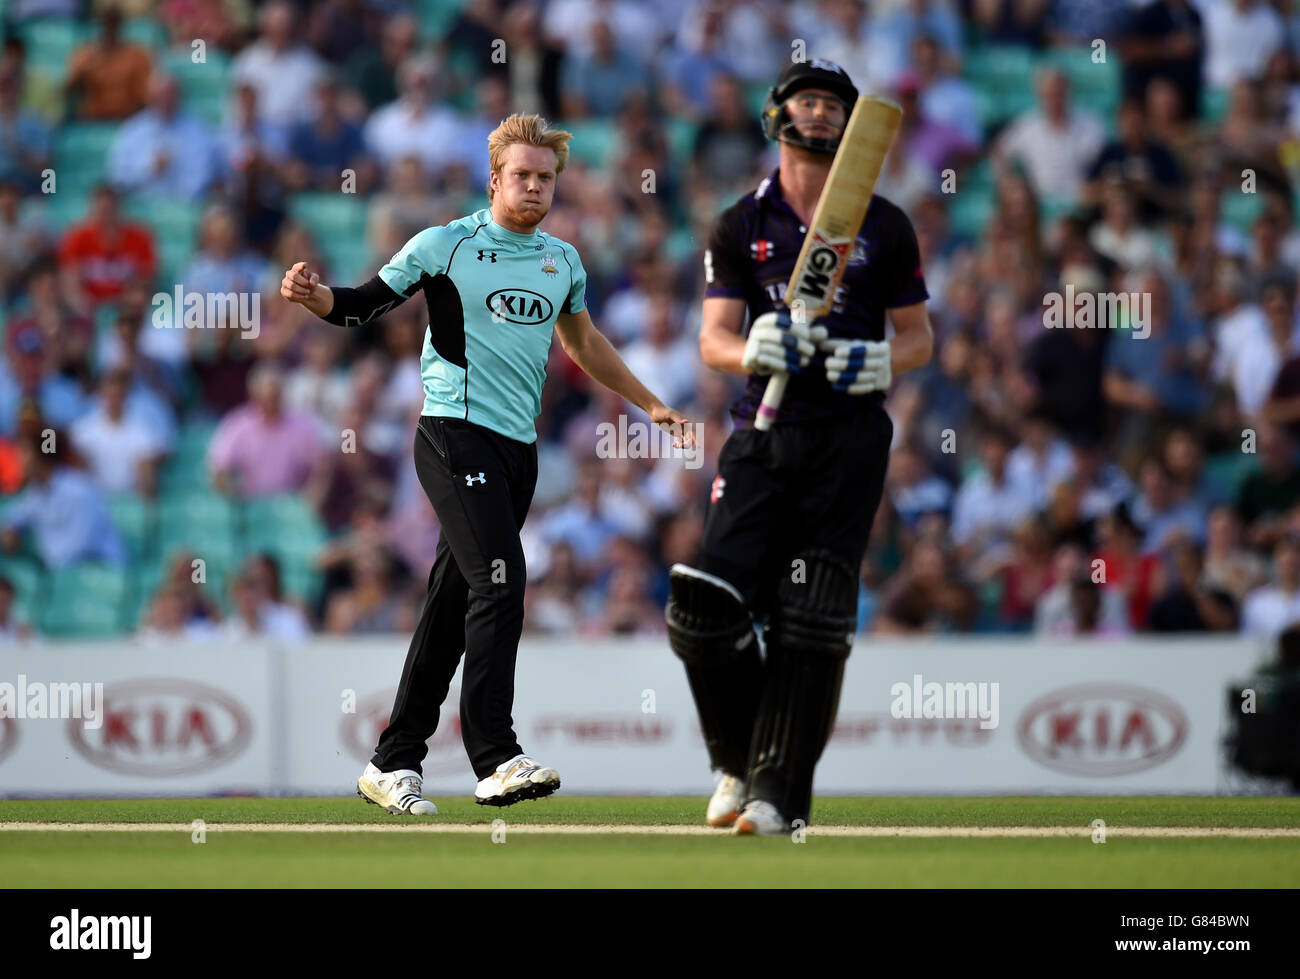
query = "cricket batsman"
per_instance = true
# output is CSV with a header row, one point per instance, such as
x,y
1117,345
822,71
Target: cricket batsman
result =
x,y
791,508
496,286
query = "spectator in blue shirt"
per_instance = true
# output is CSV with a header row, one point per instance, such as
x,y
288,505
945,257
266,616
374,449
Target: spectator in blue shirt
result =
x,y
320,150
597,84
24,139
65,512
30,376
162,151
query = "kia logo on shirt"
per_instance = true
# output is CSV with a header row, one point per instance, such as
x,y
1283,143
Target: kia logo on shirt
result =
x,y
360,732
164,727
522,306
1102,729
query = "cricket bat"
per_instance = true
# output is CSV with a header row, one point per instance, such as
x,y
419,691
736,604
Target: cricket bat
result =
x,y
835,224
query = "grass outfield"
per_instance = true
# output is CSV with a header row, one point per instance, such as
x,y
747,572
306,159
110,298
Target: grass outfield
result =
x,y
284,856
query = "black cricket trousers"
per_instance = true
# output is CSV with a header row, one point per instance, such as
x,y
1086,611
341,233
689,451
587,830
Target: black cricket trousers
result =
x,y
481,484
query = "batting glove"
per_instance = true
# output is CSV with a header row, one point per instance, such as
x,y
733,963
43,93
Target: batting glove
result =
x,y
858,366
776,343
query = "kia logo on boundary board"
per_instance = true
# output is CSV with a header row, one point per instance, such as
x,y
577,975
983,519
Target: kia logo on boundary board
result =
x,y
1101,729
164,727
360,732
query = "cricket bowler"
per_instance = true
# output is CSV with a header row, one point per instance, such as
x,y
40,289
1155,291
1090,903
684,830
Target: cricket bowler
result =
x,y
791,508
496,288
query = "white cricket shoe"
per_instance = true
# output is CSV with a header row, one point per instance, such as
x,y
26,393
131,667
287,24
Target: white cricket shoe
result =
x,y
761,819
727,799
514,781
398,792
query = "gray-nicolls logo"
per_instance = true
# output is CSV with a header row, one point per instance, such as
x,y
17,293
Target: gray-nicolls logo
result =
x,y
471,479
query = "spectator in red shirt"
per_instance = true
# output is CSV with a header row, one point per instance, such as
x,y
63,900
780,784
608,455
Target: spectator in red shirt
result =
x,y
1126,567
100,256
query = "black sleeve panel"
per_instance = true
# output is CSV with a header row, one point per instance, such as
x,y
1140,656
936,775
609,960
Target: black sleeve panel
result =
x,y
356,307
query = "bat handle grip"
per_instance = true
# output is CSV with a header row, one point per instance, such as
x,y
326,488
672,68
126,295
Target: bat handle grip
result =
x,y
771,403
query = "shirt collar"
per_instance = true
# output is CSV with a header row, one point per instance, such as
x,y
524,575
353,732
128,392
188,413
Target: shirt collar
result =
x,y
505,234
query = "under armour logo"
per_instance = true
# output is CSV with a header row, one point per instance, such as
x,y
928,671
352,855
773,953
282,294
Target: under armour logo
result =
x,y
469,480
715,493
492,256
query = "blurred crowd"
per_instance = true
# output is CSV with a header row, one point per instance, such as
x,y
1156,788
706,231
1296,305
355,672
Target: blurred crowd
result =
x,y
1102,481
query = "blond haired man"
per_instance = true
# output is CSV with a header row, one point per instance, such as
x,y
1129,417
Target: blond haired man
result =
x,y
496,286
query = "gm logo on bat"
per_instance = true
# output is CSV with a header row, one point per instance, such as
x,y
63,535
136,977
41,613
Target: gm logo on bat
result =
x,y
521,306
825,256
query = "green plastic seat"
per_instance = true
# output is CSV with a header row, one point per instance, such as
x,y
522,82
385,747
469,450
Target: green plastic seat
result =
x,y
969,211
81,154
1240,210
1229,470
133,517
27,577
1214,103
285,525
146,32
437,16
168,218
594,141
52,40
198,521
1092,82
681,140
301,581
85,600
1002,68
328,216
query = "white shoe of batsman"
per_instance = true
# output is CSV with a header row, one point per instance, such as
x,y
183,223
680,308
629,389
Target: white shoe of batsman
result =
x,y
725,805
761,819
514,781
399,792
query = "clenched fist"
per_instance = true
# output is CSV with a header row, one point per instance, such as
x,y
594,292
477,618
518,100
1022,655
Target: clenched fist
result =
x,y
299,285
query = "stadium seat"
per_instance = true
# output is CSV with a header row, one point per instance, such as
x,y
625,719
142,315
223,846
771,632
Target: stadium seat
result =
x,y
1094,86
59,210
301,582
205,85
81,155
1002,68
328,216
681,140
27,577
1214,104
51,41
133,517
187,467
146,32
1227,471
1240,210
85,600
594,141
349,259
282,522
200,521
969,211
437,16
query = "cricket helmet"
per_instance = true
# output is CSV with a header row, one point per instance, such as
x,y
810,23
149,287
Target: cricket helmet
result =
x,y
817,73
